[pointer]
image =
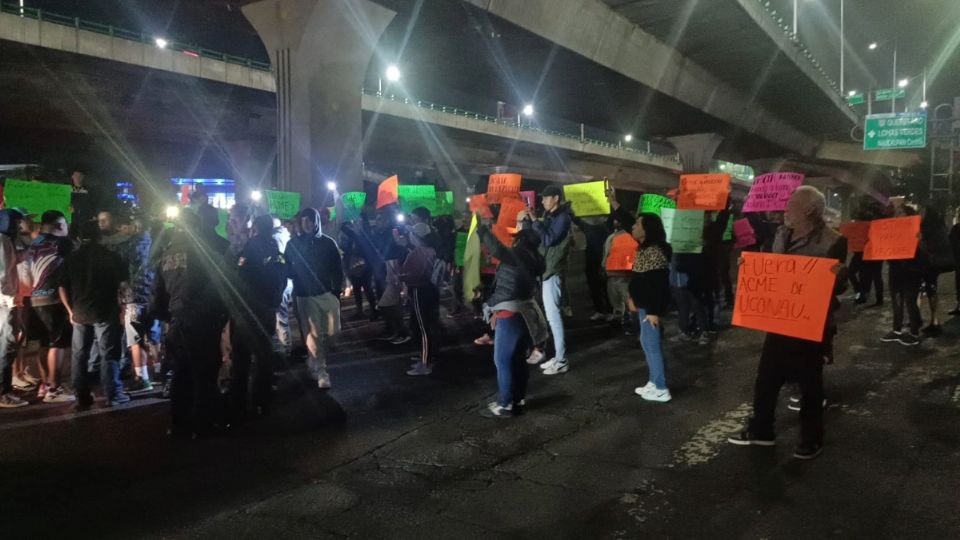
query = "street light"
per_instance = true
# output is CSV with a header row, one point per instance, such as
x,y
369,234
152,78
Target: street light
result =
x,y
852,93
903,83
628,137
873,46
393,73
255,196
924,104
160,42
331,186
528,110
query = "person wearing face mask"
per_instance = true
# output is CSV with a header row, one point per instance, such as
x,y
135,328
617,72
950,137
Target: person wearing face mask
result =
x,y
784,358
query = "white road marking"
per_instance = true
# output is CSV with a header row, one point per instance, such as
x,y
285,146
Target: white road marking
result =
x,y
707,441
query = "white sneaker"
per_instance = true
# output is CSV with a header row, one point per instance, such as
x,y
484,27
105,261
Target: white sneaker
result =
x,y
610,317
549,363
421,370
535,357
323,382
641,389
597,316
559,366
42,391
59,395
656,394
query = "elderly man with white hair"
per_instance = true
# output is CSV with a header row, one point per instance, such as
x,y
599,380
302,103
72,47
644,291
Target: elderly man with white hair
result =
x,y
797,360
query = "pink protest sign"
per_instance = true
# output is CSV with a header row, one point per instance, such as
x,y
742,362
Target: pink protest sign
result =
x,y
770,192
744,233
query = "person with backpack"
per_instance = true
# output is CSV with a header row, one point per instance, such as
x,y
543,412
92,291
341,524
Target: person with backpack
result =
x,y
420,275
262,275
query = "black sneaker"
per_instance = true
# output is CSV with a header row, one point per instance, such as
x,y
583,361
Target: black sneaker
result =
x,y
954,312
746,438
891,337
808,451
795,405
120,398
909,339
932,330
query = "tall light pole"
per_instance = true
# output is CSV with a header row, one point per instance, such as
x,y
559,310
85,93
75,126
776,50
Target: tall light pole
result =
x,y
796,36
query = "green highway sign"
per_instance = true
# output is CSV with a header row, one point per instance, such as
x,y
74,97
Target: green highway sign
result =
x,y
856,99
895,131
886,94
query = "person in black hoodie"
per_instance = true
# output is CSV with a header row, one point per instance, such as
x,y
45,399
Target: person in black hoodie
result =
x,y
516,315
649,298
262,276
190,293
316,268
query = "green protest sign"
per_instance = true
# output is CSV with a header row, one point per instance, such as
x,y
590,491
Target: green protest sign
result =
x,y
353,202
283,204
684,229
460,249
728,232
651,204
415,196
37,197
222,217
444,203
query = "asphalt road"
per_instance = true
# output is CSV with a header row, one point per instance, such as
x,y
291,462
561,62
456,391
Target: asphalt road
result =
x,y
384,455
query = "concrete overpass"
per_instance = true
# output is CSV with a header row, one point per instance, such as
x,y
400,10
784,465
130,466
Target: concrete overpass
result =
x,y
633,51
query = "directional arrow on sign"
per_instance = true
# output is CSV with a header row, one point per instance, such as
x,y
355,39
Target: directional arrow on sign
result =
x,y
872,134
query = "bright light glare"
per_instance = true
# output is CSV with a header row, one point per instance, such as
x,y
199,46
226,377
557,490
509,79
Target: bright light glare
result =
x,y
528,110
160,42
628,137
852,93
256,195
468,200
173,212
400,218
393,73
872,46
903,83
331,186
924,104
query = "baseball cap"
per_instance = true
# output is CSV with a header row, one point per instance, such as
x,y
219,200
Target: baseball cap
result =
x,y
552,191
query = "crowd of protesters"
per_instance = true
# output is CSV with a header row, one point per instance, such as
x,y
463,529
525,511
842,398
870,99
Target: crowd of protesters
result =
x,y
145,304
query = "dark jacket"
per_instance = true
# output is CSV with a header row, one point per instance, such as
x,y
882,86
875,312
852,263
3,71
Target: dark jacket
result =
x,y
554,231
650,287
190,283
136,254
596,236
262,273
314,263
822,242
91,276
519,269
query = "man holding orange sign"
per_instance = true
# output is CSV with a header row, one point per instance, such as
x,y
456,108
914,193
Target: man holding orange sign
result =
x,y
791,296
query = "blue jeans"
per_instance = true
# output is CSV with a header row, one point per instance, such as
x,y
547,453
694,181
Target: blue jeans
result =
x,y
650,339
510,343
552,304
106,336
8,349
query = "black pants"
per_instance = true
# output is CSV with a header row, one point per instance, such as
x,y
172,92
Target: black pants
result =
x,y
597,283
425,320
193,347
363,285
251,338
789,359
871,274
904,292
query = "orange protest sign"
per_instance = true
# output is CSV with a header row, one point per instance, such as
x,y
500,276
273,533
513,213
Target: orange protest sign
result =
x,y
784,294
623,251
388,192
503,186
703,191
892,239
856,234
479,204
509,208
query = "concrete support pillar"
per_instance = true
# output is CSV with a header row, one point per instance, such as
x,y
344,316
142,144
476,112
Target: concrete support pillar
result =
x,y
696,151
320,51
